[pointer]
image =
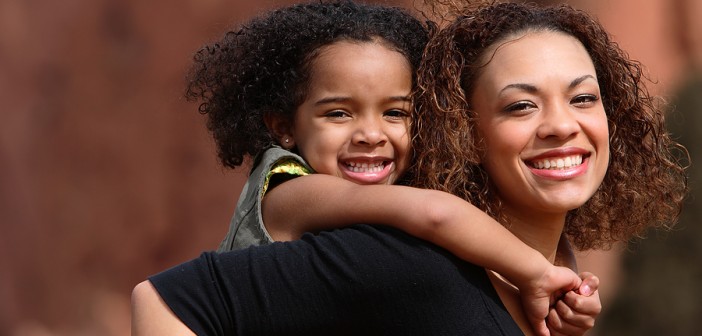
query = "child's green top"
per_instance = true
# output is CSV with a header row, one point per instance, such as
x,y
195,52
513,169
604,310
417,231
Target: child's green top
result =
x,y
273,166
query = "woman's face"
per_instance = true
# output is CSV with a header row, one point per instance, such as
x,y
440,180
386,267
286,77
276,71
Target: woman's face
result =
x,y
544,128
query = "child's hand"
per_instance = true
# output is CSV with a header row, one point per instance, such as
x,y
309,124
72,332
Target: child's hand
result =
x,y
541,294
575,313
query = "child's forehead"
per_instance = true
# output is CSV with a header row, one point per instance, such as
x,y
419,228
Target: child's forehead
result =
x,y
354,59
365,73
333,53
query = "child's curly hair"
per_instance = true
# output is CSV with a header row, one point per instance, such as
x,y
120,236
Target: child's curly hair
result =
x,y
264,67
645,183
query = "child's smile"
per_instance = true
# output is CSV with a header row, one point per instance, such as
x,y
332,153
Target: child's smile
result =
x,y
368,170
354,121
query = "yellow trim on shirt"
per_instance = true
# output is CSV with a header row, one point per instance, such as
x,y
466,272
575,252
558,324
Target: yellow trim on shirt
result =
x,y
285,166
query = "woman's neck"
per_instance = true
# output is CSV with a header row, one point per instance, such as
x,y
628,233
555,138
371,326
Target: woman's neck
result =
x,y
542,233
509,295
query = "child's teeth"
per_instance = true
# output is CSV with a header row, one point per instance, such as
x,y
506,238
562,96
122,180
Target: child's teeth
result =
x,y
366,167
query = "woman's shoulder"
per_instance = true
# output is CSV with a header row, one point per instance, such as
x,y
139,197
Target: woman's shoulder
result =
x,y
406,271
381,275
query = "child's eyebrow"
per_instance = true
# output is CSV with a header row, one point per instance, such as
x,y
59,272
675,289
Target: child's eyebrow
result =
x,y
329,100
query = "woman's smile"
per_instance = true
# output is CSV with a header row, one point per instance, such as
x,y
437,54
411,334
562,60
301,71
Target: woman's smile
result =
x,y
544,127
560,164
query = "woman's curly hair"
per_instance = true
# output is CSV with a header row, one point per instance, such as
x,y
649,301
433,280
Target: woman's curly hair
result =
x,y
264,67
645,183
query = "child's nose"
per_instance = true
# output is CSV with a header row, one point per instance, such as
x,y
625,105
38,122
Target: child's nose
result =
x,y
370,133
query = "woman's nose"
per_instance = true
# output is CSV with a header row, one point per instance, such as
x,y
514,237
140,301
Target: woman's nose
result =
x,y
559,121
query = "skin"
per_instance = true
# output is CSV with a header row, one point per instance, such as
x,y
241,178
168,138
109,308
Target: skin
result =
x,y
357,111
530,112
354,122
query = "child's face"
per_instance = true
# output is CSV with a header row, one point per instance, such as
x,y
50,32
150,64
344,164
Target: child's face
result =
x,y
354,122
543,124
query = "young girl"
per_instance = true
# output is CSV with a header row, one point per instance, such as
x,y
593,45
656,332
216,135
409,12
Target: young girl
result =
x,y
325,88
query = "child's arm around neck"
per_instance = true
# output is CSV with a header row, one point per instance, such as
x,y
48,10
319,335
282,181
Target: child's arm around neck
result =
x,y
317,202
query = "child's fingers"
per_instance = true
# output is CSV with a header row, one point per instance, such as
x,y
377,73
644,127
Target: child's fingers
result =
x,y
586,305
557,327
569,316
575,312
589,285
563,321
553,322
543,330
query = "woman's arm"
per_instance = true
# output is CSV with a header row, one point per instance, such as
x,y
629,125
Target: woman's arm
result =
x,y
151,315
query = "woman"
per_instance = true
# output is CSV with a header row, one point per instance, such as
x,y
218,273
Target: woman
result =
x,y
495,116
534,93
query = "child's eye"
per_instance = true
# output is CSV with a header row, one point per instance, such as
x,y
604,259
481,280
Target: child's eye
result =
x,y
584,100
336,114
520,106
397,114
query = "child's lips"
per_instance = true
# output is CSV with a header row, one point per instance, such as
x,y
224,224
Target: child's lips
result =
x,y
367,171
365,167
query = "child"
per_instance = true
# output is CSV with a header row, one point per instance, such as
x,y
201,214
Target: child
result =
x,y
325,88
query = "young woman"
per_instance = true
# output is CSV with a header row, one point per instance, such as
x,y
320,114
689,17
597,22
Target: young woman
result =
x,y
319,95
375,280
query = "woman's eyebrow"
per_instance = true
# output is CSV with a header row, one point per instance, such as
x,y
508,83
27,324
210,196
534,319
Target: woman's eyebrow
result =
x,y
580,79
532,88
520,86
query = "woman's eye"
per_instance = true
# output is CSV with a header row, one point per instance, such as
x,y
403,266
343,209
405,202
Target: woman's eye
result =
x,y
520,106
584,100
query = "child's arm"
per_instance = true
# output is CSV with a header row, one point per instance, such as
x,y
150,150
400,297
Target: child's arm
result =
x,y
318,202
315,202
576,312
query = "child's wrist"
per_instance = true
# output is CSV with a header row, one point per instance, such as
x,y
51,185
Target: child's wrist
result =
x,y
534,267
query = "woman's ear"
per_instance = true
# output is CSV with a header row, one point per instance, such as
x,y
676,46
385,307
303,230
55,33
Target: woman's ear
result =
x,y
281,128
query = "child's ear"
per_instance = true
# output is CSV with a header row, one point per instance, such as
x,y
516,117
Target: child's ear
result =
x,y
281,128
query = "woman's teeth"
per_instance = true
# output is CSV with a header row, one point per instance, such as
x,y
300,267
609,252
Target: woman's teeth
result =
x,y
559,163
366,167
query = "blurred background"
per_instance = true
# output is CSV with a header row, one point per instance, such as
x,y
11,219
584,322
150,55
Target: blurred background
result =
x,y
107,175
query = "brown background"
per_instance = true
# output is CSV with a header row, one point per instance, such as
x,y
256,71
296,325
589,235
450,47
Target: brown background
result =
x,y
107,175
